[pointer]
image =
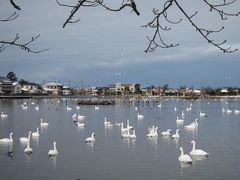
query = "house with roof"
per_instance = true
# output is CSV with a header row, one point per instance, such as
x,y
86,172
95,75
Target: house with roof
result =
x,y
17,88
125,88
53,88
6,85
31,88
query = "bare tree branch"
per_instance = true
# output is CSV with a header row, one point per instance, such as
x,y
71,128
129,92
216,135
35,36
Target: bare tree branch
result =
x,y
15,5
23,46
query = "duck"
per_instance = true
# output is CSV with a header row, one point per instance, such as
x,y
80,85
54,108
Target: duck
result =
x,y
7,140
36,134
184,158
166,133
4,115
25,139
91,138
193,124
43,124
140,116
28,150
197,152
54,151
176,135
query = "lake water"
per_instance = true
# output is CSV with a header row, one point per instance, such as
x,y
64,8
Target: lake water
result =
x,y
112,157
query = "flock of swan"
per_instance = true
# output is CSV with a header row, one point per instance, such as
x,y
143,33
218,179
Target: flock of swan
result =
x,y
127,131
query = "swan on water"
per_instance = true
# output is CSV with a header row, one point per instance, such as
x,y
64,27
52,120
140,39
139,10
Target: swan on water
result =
x,y
28,150
140,116
3,115
54,151
91,138
96,107
202,114
176,135
184,158
81,124
7,140
178,120
133,135
36,134
166,133
193,124
128,125
197,152
152,132
107,123
43,124
25,139
37,107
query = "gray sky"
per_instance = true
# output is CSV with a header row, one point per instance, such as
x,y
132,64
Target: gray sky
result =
x,y
106,47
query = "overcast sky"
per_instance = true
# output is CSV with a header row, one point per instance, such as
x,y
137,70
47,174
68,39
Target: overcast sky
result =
x,y
106,47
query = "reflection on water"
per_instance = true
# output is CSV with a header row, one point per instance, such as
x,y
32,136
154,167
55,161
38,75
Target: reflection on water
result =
x,y
113,157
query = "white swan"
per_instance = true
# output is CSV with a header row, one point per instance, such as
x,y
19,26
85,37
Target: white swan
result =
x,y
54,151
202,114
197,152
68,108
36,134
25,139
37,107
133,135
166,133
43,124
28,150
128,125
193,124
236,111
125,133
184,158
107,123
123,130
178,120
7,140
175,108
80,117
81,124
4,115
176,136
140,116
183,114
152,132
96,108
91,138
229,111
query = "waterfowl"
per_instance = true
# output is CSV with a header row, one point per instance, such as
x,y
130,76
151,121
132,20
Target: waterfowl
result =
x,y
7,140
166,133
133,135
25,139
81,124
43,124
36,134
178,120
37,107
128,125
193,124
28,150
54,151
197,152
68,108
184,158
91,138
176,135
152,132
96,108
202,114
123,130
4,115
107,123
140,116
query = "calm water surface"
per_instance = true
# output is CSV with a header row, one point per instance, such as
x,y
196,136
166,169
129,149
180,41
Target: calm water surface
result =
x,y
113,157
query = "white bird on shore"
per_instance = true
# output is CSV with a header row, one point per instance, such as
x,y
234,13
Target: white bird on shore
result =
x,y
184,158
197,152
166,133
54,151
91,138
7,140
